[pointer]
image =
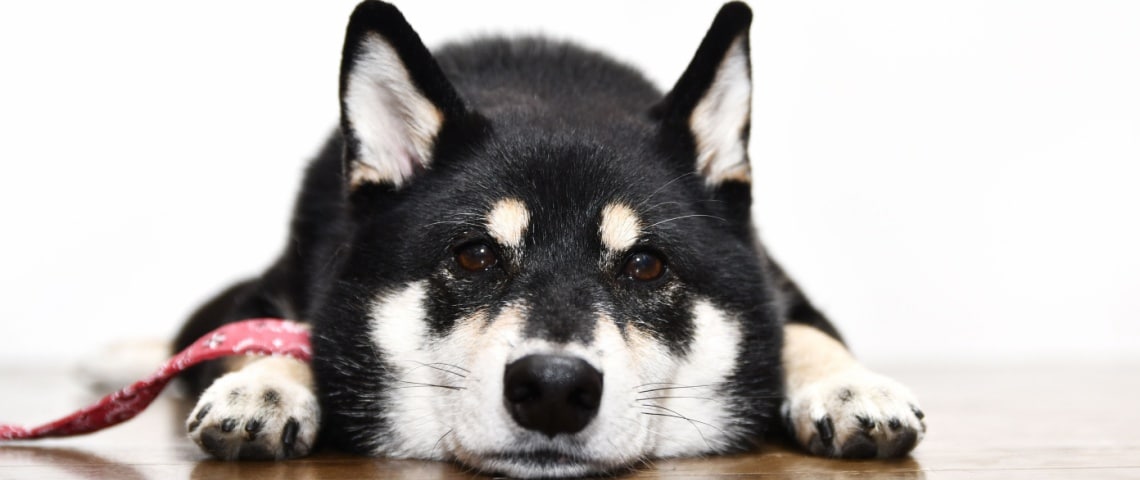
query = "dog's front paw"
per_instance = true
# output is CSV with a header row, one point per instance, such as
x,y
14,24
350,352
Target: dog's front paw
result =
x,y
854,413
253,414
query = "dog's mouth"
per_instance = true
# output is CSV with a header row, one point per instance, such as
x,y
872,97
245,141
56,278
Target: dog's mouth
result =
x,y
543,463
541,457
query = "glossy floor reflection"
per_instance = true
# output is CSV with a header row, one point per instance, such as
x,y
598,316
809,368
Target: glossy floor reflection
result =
x,y
994,422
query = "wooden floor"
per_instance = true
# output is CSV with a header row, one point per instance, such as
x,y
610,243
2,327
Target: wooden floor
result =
x,y
999,422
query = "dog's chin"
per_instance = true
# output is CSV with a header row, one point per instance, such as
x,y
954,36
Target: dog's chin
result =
x,y
541,464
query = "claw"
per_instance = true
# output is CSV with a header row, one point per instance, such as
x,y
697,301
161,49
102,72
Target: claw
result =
x,y
289,435
917,413
826,429
252,427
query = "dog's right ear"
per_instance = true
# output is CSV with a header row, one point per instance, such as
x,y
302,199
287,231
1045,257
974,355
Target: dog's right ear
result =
x,y
394,99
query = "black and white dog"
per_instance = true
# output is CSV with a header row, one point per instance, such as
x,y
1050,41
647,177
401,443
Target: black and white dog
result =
x,y
519,255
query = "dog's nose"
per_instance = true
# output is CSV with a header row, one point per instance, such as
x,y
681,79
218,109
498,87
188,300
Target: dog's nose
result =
x,y
552,393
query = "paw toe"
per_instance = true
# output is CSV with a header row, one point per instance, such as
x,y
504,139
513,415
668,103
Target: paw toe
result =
x,y
255,441
859,445
901,444
817,447
214,444
855,414
278,421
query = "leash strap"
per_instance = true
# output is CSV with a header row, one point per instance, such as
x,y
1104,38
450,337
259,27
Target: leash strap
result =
x,y
263,336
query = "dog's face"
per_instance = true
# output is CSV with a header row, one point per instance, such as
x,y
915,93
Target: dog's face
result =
x,y
544,296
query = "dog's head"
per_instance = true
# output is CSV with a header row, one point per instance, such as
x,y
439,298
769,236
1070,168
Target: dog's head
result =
x,y
552,281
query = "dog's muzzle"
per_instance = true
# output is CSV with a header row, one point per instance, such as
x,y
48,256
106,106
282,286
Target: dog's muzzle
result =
x,y
552,394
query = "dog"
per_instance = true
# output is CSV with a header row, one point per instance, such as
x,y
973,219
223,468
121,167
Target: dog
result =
x,y
519,255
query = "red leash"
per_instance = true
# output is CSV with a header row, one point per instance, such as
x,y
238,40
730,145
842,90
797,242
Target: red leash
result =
x,y
264,336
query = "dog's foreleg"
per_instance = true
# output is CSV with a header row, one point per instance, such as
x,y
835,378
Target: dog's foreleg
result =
x,y
265,408
836,407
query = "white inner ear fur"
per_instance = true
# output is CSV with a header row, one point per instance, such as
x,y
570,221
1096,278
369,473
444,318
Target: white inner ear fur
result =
x,y
507,222
620,227
719,118
394,122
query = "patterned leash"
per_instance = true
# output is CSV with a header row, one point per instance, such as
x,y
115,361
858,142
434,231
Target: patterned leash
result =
x,y
264,336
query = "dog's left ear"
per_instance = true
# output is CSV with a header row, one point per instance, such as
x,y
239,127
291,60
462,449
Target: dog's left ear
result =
x,y
712,101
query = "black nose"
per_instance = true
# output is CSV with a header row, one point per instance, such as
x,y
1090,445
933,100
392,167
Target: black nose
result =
x,y
552,393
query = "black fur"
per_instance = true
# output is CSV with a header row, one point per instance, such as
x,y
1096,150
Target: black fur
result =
x,y
567,130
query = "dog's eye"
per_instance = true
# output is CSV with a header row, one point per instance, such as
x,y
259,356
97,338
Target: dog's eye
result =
x,y
644,267
475,257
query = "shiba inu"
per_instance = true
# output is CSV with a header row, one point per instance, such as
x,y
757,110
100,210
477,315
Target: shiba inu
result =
x,y
521,256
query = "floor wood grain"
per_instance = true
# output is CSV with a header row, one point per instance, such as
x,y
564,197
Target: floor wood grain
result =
x,y
1007,422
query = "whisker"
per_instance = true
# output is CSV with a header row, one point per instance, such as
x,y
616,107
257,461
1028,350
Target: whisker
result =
x,y
658,205
437,442
418,384
678,415
695,427
662,187
451,365
458,221
734,397
670,388
654,383
436,366
687,216
691,421
671,397
405,387
647,462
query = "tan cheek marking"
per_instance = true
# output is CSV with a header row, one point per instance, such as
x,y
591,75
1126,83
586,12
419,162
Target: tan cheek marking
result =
x,y
469,328
810,354
493,340
607,337
638,339
654,361
506,325
508,221
620,227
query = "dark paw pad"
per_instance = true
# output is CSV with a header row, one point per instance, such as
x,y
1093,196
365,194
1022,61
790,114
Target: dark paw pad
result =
x,y
859,445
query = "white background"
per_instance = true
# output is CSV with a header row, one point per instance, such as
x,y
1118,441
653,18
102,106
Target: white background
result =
x,y
951,181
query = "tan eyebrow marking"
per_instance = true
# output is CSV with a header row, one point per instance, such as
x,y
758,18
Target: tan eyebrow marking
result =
x,y
507,222
620,227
